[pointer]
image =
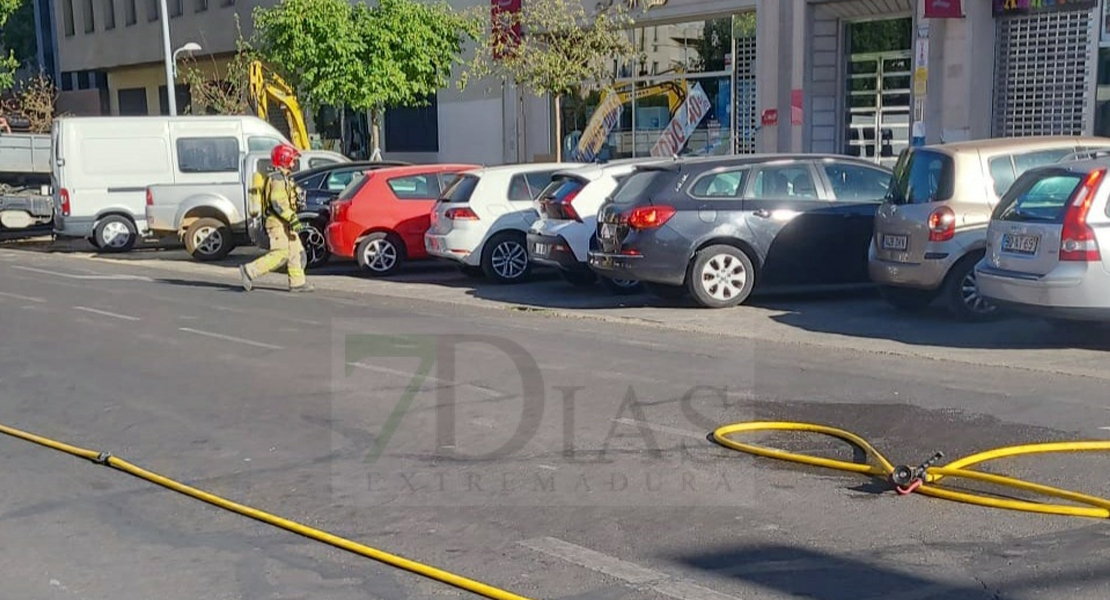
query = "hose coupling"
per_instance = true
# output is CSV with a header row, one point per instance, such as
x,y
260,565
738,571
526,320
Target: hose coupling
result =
x,y
102,458
906,479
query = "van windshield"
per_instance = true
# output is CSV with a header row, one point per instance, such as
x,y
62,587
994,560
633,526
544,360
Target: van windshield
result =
x,y
921,177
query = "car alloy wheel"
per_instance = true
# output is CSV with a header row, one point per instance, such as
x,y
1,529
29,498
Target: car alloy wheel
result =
x,y
973,300
208,240
723,277
115,235
380,255
509,259
315,246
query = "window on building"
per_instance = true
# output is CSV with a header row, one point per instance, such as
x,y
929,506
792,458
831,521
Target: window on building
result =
x,y
132,15
208,155
413,129
228,2
90,18
109,14
152,10
132,102
177,7
67,17
181,94
201,5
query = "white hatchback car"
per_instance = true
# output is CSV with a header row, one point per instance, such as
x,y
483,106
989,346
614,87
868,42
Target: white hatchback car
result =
x,y
481,220
562,236
1048,244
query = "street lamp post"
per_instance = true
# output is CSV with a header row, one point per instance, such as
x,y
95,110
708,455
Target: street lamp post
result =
x,y
171,93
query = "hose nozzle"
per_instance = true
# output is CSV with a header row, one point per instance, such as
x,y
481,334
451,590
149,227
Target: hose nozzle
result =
x,y
905,476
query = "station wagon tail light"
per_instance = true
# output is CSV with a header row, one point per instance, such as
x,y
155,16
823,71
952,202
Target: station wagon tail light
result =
x,y
649,217
942,224
64,195
149,198
1077,240
461,214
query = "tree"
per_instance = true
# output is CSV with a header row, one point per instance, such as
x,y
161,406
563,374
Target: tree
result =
x,y
13,38
554,48
397,53
222,93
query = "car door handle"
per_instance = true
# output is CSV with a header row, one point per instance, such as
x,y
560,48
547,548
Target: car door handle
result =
x,y
762,213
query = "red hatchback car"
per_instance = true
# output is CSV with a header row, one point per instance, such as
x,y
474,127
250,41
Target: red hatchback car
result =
x,y
381,217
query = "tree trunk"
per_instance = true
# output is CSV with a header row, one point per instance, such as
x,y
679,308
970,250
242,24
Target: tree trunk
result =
x,y
558,128
342,130
375,134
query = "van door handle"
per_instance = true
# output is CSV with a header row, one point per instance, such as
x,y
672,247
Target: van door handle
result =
x,y
762,213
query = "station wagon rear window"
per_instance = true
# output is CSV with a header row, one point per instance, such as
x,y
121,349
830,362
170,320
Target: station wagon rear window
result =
x,y
642,184
1040,197
921,177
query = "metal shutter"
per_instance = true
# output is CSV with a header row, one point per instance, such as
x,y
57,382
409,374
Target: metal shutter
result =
x,y
1043,73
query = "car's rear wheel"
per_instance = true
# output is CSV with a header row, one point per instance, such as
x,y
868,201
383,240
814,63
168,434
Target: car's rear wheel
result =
x,y
505,258
208,240
115,233
906,299
720,276
579,278
380,254
961,291
621,287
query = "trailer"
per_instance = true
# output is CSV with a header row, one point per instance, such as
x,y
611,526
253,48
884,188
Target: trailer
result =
x,y
25,182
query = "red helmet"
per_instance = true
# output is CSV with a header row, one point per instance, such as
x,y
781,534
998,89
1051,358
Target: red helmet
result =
x,y
283,155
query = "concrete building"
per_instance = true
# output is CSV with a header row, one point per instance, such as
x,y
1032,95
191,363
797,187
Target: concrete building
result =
x,y
863,77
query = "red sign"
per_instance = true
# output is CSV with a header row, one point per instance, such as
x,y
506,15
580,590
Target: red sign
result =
x,y
943,9
771,117
504,14
797,107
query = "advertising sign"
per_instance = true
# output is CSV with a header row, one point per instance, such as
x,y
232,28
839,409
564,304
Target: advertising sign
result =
x,y
685,121
503,13
602,122
1024,7
943,9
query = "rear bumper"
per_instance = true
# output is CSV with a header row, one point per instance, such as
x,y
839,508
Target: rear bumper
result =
x,y
623,266
161,219
928,274
341,237
553,251
459,245
1072,290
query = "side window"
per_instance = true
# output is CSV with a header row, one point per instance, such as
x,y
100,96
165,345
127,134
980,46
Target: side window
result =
x,y
208,155
537,182
1030,160
518,189
261,144
416,187
338,180
1002,172
727,184
320,162
785,182
856,182
312,183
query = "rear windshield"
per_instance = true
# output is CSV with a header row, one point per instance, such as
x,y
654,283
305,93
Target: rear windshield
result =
x,y
1039,196
460,190
560,188
921,177
642,185
358,180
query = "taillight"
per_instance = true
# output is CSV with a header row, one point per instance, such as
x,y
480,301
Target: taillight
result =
x,y
942,224
339,210
569,208
64,195
461,214
149,198
649,217
1077,240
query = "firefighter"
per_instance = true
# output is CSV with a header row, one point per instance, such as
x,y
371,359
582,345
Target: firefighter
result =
x,y
279,197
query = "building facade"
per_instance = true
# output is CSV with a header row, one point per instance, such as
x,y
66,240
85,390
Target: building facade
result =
x,y
859,77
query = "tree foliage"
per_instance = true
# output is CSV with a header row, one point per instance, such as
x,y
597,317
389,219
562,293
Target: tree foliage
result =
x,y
12,38
225,92
35,99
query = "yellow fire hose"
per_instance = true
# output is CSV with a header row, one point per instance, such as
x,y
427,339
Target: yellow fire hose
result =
x,y
106,459
925,477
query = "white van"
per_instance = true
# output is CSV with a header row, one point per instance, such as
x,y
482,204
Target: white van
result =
x,y
103,165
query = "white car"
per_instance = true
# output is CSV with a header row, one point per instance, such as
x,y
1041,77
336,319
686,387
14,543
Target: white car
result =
x,y
481,220
562,236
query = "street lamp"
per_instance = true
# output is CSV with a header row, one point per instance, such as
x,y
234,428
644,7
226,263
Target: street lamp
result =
x,y
171,58
190,47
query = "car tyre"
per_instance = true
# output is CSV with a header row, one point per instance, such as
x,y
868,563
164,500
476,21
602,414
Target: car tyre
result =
x,y
720,276
624,287
505,258
115,234
578,278
380,254
208,240
961,292
315,245
905,299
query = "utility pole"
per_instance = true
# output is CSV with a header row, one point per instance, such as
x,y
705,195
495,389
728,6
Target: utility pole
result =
x,y
171,93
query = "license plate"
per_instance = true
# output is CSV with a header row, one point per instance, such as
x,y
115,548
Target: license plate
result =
x,y
895,242
540,249
1020,244
608,230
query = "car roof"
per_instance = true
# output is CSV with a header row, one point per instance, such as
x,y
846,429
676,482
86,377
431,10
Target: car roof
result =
x,y
596,170
421,168
376,164
710,162
526,168
995,145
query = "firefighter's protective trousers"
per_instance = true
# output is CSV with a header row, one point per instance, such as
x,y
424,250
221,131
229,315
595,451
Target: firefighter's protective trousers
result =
x,y
278,203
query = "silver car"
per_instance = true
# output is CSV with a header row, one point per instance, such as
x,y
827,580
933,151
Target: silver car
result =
x,y
931,229
1048,243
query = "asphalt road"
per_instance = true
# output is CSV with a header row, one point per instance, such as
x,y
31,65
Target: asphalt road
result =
x,y
555,457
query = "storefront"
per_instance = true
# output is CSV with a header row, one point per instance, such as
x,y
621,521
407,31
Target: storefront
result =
x,y
1046,67
693,93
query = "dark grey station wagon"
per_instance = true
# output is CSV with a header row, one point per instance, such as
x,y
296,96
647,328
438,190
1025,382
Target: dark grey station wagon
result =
x,y
720,227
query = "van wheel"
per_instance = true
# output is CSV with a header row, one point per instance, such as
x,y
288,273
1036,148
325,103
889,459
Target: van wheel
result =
x,y
721,276
115,234
208,239
961,292
623,287
505,258
380,254
906,299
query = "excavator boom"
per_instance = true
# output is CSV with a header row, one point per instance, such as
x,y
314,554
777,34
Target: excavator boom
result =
x,y
262,92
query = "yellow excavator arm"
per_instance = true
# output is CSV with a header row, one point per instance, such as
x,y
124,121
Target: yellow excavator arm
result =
x,y
263,91
674,90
